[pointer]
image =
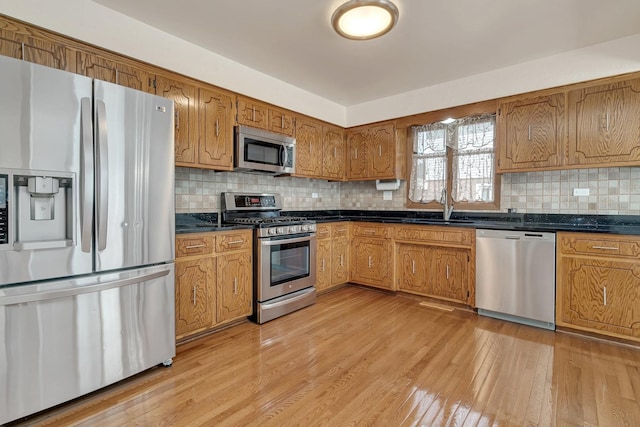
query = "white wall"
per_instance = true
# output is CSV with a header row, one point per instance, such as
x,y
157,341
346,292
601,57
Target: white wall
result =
x,y
96,24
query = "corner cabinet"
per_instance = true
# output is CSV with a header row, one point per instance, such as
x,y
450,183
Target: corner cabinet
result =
x,y
531,133
371,260
319,150
332,255
604,124
213,280
598,284
436,261
375,152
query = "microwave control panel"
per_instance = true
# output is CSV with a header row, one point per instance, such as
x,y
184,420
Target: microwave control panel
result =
x,y
4,213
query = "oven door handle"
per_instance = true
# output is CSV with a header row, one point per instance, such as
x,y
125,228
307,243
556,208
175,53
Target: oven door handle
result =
x,y
309,238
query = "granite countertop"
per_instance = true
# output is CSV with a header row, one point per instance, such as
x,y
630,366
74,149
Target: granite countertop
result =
x,y
615,224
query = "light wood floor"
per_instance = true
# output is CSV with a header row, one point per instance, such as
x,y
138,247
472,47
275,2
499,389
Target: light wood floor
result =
x,y
362,357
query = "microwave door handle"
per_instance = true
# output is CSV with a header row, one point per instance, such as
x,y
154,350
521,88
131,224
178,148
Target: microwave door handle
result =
x,y
284,155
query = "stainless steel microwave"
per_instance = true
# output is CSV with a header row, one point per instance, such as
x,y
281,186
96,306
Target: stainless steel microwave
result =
x,y
263,151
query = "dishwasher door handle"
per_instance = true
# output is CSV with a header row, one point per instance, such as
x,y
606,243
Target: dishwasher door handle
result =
x,y
512,237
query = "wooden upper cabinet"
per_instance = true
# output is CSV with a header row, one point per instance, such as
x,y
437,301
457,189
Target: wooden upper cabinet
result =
x,y
109,70
281,122
531,133
32,45
252,113
604,124
333,153
375,152
308,148
186,121
215,148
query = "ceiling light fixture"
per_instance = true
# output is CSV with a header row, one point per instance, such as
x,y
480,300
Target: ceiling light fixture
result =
x,y
364,19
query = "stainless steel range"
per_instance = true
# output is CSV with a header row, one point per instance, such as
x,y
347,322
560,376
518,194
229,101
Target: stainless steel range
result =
x,y
284,253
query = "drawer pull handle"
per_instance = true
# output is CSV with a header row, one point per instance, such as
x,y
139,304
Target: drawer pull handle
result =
x,y
194,295
370,260
235,286
341,260
235,242
196,246
606,248
413,266
605,295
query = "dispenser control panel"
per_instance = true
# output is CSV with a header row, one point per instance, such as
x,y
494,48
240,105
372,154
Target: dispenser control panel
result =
x,y
4,216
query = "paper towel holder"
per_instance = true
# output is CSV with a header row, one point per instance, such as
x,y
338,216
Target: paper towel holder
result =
x,y
387,184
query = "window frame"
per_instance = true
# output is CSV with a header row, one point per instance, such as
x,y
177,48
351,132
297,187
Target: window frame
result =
x,y
485,107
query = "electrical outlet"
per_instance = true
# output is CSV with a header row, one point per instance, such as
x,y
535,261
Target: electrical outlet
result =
x,y
314,195
580,192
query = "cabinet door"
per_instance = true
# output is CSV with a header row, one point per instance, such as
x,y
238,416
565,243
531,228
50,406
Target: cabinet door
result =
x,y
600,295
531,133
604,124
21,43
339,261
323,264
184,96
412,269
252,113
381,153
281,122
234,286
333,153
357,154
450,273
195,295
215,149
308,148
101,68
371,262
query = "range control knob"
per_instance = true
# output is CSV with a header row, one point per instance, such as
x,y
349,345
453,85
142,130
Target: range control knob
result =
x,y
293,229
280,230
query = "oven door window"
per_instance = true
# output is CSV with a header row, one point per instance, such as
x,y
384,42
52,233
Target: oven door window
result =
x,y
289,261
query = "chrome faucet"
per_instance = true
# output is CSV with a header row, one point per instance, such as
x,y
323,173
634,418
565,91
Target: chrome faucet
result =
x,y
446,209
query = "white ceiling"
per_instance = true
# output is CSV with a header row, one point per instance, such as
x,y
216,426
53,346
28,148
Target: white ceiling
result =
x,y
434,42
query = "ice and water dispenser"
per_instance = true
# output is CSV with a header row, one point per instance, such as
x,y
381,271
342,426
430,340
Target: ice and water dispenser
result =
x,y
36,210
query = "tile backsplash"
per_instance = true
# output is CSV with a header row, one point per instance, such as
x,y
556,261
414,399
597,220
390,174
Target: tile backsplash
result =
x,y
611,191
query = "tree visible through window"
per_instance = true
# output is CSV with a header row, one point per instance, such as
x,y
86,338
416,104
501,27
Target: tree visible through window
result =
x,y
458,157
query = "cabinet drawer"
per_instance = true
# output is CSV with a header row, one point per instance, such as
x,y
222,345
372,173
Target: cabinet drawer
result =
x,y
436,234
340,229
603,245
323,231
370,230
190,245
233,241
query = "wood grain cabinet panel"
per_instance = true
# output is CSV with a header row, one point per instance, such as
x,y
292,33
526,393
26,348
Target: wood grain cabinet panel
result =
x,y
308,148
215,148
184,96
604,124
110,70
323,264
531,133
281,121
412,264
333,153
195,295
371,262
598,284
252,113
375,152
339,260
449,273
32,45
234,286
332,255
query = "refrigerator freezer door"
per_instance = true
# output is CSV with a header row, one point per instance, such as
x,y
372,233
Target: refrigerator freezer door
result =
x,y
135,219
41,128
62,339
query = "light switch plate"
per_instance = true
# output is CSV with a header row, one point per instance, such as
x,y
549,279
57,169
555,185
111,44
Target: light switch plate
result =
x,y
387,195
580,191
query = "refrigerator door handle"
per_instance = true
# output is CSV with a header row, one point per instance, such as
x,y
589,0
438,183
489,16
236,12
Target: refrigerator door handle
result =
x,y
43,296
102,174
86,183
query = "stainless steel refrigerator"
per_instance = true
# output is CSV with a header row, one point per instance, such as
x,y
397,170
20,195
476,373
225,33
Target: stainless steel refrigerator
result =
x,y
86,235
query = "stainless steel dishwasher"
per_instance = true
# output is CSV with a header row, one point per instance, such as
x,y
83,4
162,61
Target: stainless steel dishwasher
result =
x,y
515,276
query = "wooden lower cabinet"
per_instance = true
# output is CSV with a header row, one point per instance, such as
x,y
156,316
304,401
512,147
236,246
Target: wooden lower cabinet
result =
x,y
195,294
332,255
213,280
371,259
598,284
436,261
